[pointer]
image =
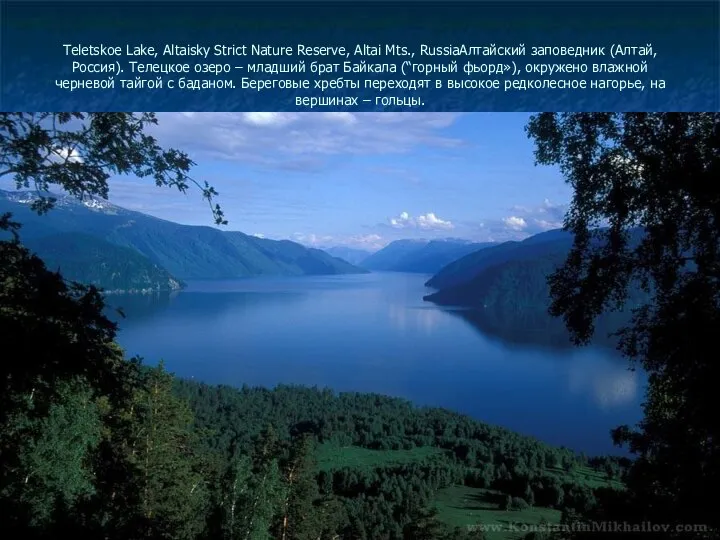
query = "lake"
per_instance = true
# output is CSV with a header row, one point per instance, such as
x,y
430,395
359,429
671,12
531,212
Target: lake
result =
x,y
374,333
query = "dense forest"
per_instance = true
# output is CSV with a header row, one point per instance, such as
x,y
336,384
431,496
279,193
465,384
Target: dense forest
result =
x,y
91,260
509,294
182,251
97,445
158,457
464,269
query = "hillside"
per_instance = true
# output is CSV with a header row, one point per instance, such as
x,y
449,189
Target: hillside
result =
x,y
469,266
93,261
420,256
517,284
386,258
511,297
351,255
187,252
386,462
101,443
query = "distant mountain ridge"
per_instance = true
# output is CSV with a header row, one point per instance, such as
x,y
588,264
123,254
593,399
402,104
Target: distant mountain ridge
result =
x,y
420,256
466,268
351,255
506,286
184,251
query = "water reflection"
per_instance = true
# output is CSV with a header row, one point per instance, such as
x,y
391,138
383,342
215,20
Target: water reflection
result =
x,y
520,330
137,307
607,380
374,333
610,385
535,328
414,318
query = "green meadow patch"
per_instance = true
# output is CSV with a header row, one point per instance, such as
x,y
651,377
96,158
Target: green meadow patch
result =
x,y
332,457
460,506
586,476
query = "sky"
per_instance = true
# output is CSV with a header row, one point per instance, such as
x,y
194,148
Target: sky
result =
x,y
358,180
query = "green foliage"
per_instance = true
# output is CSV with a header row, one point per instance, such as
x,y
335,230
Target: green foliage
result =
x,y
233,494
267,490
87,259
57,329
331,457
306,514
61,372
154,457
161,453
51,470
79,152
424,526
484,511
360,461
656,172
95,446
529,496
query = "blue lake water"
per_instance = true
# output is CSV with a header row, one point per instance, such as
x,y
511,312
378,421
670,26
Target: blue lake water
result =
x,y
374,333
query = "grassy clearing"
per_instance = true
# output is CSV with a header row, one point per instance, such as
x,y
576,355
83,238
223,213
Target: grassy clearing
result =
x,y
460,506
332,457
587,476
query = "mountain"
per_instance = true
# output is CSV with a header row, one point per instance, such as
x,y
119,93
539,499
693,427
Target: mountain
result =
x,y
420,256
466,268
94,261
388,257
351,255
508,293
517,284
438,254
185,251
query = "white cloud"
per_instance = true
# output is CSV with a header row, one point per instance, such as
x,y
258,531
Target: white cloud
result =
x,y
427,222
312,240
515,223
402,221
548,225
296,140
369,242
346,117
544,217
431,221
258,235
520,222
271,119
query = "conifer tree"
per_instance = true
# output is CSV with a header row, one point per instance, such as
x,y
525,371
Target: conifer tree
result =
x,y
168,479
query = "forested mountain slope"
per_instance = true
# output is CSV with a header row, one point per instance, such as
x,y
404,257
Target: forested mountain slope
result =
x,y
186,252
